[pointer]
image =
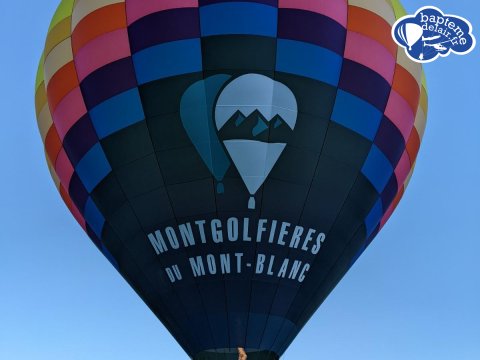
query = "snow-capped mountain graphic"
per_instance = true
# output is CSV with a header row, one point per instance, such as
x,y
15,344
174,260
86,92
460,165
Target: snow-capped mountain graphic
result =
x,y
256,127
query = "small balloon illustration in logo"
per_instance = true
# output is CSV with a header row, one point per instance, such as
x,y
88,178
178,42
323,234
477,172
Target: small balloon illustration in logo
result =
x,y
196,112
430,34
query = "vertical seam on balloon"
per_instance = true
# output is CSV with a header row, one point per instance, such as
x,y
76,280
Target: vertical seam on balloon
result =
x,y
214,192
346,199
313,177
262,197
186,250
127,202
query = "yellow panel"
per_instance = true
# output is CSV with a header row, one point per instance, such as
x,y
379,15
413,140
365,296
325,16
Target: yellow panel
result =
x,y
424,100
58,57
40,73
398,9
64,10
379,7
420,122
44,121
409,177
40,98
424,81
58,34
85,7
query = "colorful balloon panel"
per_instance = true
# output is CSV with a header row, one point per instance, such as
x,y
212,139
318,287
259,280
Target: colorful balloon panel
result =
x,y
232,159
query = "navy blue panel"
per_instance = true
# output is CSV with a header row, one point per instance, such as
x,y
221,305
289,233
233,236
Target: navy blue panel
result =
x,y
313,28
390,192
164,26
365,83
107,81
117,113
390,140
312,61
168,59
356,114
77,192
210,2
79,139
238,18
94,217
377,169
374,217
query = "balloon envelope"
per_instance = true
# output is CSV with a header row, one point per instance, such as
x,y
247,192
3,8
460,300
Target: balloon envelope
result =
x,y
231,159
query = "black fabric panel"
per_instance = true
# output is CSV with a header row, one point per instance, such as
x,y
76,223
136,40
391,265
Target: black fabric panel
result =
x,y
163,96
127,145
239,52
140,176
109,195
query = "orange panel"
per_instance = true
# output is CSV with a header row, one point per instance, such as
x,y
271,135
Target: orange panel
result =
x,y
370,24
64,81
413,145
101,21
66,198
406,85
53,144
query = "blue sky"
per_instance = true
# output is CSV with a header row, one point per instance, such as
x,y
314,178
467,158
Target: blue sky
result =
x,y
414,294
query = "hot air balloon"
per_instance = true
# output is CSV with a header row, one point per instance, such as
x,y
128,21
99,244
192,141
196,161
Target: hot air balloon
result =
x,y
410,33
232,160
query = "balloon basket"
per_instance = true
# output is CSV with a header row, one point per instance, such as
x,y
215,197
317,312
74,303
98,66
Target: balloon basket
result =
x,y
232,354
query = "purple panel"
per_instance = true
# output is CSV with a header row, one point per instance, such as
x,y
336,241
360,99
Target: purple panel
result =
x,y
390,140
109,80
312,28
365,83
79,139
210,2
164,26
389,192
78,193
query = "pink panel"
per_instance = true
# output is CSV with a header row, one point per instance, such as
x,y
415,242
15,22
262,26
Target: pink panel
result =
x,y
335,9
64,168
137,9
101,51
370,53
400,113
403,169
69,111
